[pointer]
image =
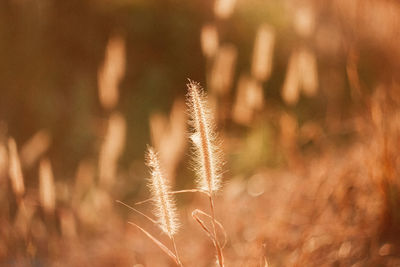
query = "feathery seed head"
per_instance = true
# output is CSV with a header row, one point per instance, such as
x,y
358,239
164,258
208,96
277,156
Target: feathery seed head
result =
x,y
165,211
15,171
47,187
208,159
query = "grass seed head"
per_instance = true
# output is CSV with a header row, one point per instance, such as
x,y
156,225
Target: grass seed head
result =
x,y
207,153
15,171
165,205
46,186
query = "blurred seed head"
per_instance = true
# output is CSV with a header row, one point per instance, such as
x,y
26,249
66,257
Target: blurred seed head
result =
x,y
263,53
3,162
301,74
307,65
290,90
223,69
47,195
249,99
112,148
15,171
158,127
304,20
223,9
36,146
111,72
209,40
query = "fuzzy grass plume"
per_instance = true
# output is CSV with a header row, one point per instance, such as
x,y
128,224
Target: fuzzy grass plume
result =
x,y
47,194
15,171
207,154
165,205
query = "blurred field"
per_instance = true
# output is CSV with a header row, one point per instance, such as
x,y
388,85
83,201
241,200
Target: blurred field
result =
x,y
305,97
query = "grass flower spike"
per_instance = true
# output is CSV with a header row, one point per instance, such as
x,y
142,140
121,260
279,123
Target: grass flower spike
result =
x,y
207,156
208,160
165,206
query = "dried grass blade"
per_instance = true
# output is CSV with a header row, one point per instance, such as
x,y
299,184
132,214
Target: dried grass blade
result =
x,y
218,223
203,226
158,243
216,244
137,211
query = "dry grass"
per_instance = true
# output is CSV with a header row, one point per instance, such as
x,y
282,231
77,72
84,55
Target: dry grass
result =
x,y
166,209
299,190
207,162
204,139
15,172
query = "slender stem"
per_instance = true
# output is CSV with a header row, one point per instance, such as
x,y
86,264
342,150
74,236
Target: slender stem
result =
x,y
212,216
219,252
217,223
137,211
176,252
